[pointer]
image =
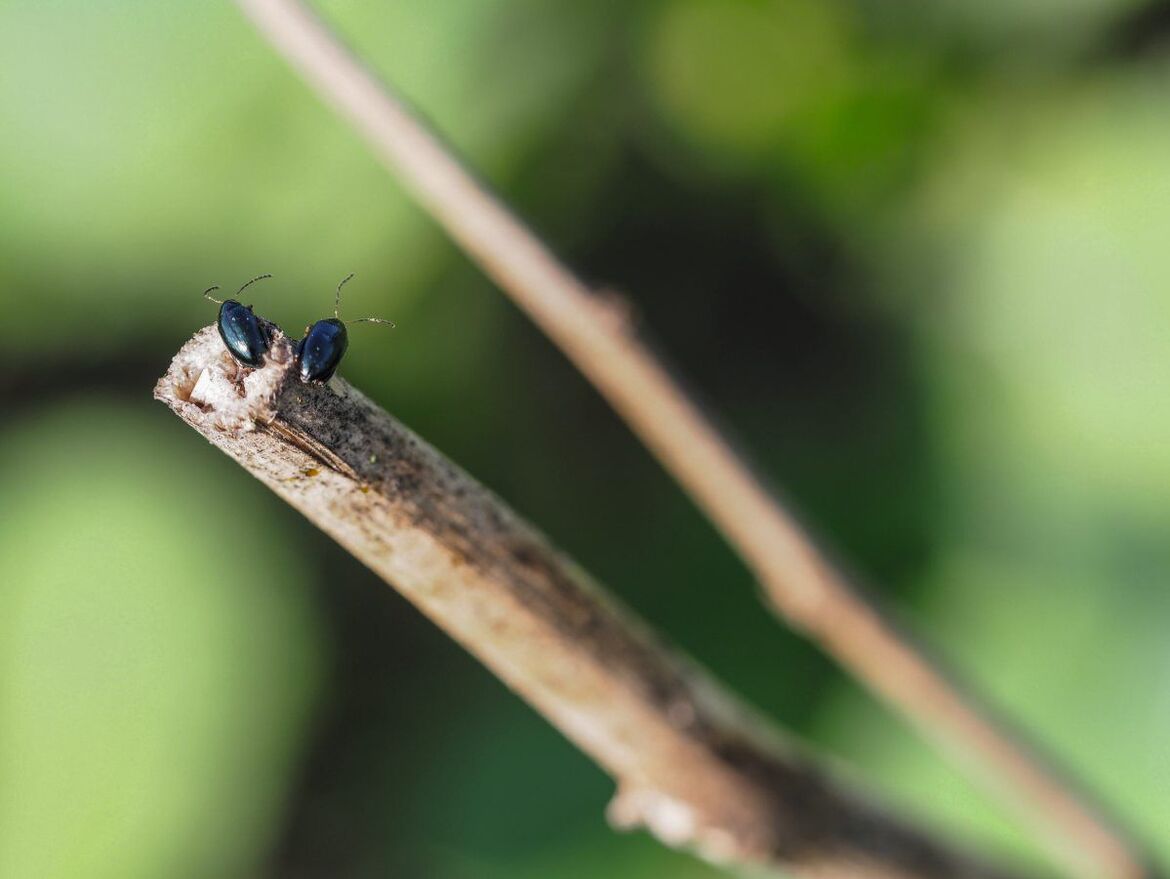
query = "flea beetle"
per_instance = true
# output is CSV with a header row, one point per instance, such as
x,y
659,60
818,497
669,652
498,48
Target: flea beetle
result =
x,y
246,336
320,352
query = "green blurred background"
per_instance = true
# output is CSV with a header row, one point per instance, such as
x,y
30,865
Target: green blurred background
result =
x,y
914,251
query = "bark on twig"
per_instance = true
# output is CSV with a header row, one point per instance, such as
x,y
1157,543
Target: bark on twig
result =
x,y
798,581
690,764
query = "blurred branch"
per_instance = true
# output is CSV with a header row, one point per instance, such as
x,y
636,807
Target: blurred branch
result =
x,y
597,336
690,763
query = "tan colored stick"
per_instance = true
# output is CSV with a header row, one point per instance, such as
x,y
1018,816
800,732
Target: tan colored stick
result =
x,y
690,763
801,585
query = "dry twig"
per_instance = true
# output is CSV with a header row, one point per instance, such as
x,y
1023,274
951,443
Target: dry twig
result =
x,y
689,762
799,582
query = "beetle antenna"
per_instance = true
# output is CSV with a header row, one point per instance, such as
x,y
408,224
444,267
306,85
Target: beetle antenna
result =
x,y
337,298
251,282
207,294
356,320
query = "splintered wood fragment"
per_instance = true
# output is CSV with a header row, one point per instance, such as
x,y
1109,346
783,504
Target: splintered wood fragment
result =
x,y
691,765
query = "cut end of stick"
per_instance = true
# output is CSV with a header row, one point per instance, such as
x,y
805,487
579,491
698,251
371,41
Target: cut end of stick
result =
x,y
205,384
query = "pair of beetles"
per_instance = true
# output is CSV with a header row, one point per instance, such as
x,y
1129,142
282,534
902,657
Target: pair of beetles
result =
x,y
248,337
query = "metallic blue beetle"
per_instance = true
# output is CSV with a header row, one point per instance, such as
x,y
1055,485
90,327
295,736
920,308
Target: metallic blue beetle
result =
x,y
320,352
246,336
